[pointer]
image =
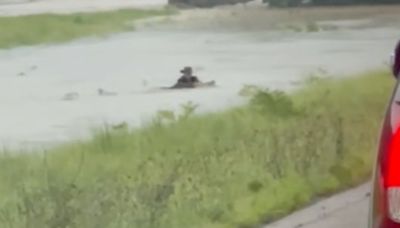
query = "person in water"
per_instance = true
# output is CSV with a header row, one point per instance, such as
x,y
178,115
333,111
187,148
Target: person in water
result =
x,y
187,80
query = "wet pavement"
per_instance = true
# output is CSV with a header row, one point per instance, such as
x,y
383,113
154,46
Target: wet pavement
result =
x,y
348,209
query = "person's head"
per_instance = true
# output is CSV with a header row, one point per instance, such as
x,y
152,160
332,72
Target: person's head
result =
x,y
187,71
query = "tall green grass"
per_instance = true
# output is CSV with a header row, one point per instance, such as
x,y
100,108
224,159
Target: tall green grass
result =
x,y
51,28
237,168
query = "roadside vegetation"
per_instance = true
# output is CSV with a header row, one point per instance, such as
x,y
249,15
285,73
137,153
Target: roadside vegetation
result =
x,y
52,28
237,168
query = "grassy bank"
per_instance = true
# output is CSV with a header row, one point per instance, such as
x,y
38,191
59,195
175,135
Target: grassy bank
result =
x,y
50,28
244,166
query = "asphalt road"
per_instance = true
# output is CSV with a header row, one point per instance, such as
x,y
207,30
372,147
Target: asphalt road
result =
x,y
345,210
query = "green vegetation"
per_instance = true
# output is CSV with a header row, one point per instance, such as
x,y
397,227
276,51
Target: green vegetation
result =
x,y
232,169
48,28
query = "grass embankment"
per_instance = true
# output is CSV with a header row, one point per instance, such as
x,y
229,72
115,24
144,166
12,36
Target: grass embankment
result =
x,y
244,166
51,28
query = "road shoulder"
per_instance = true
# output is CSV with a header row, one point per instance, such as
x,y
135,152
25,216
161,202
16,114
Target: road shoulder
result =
x,y
347,209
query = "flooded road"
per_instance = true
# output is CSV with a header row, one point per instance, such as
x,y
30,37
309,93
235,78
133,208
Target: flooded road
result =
x,y
34,79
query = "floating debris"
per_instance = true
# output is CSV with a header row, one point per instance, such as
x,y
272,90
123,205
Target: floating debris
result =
x,y
21,74
145,83
103,92
119,126
71,96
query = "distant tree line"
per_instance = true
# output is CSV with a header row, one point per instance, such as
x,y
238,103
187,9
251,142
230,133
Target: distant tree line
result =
x,y
281,3
204,3
297,3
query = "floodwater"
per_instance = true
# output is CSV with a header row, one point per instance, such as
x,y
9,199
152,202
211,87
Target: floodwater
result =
x,y
34,79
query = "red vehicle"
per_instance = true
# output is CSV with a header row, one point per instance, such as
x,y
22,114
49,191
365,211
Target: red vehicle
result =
x,y
385,200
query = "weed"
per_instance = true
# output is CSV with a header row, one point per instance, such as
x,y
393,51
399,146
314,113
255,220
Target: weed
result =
x,y
237,168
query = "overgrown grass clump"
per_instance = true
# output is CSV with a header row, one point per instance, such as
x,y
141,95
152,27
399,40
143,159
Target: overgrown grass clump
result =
x,y
244,166
52,28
